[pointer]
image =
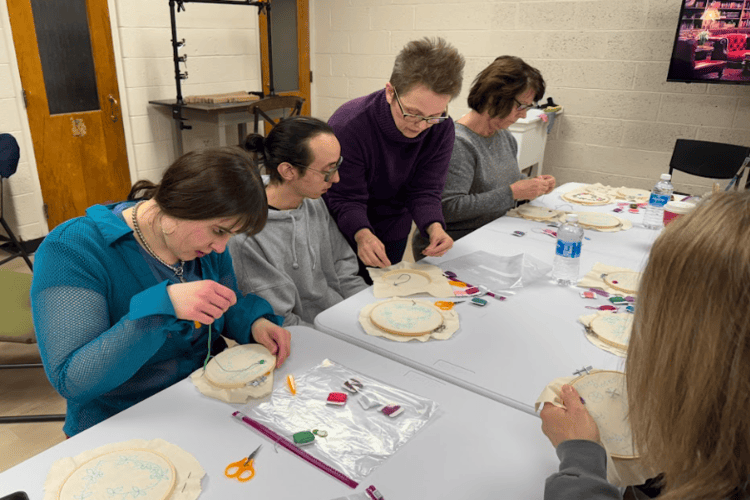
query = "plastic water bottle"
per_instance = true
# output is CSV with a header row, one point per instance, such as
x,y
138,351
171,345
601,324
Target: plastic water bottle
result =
x,y
662,192
568,252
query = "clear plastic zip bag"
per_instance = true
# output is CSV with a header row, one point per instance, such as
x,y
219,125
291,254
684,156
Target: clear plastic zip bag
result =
x,y
354,438
498,273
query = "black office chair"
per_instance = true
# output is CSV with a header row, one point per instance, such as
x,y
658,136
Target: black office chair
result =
x,y
10,153
714,160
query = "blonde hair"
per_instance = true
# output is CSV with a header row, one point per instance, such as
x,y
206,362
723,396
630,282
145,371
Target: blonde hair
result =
x,y
688,366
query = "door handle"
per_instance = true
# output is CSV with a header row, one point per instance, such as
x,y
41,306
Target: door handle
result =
x,y
113,105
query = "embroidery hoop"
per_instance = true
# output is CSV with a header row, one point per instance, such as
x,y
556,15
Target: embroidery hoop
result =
x,y
604,412
541,214
83,469
411,273
634,195
377,317
597,220
236,367
604,334
623,281
579,197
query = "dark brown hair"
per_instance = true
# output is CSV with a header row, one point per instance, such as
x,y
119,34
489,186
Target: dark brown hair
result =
x,y
434,63
496,87
289,142
688,364
207,184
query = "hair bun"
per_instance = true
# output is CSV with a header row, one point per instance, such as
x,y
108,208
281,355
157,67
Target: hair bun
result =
x,y
254,143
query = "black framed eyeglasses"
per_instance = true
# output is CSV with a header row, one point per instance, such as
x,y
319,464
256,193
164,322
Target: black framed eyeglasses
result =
x,y
432,120
523,107
327,174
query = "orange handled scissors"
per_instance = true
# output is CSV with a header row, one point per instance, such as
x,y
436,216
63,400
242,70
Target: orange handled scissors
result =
x,y
242,466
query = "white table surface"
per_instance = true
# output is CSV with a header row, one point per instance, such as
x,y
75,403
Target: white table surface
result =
x,y
474,448
508,351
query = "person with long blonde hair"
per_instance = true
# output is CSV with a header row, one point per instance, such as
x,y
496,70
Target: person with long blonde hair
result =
x,y
687,371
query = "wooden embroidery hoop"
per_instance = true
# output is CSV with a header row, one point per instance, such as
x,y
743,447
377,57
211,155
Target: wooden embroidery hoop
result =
x,y
433,322
535,213
579,198
623,281
217,373
597,220
409,272
595,409
633,195
600,333
86,465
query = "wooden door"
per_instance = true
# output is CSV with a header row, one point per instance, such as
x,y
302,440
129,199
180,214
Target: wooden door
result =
x,y
290,36
67,68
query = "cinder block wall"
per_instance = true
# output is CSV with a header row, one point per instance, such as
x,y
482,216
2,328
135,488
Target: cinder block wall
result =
x,y
223,56
605,61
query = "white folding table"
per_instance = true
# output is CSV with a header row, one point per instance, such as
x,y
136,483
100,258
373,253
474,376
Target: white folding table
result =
x,y
507,351
473,448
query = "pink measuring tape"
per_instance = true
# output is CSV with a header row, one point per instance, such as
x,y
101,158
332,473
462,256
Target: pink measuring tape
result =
x,y
294,449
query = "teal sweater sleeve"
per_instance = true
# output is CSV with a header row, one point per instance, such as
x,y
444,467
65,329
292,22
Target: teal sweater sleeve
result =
x,y
107,330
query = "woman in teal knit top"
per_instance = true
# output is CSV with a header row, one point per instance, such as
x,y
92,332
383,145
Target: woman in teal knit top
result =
x,y
126,298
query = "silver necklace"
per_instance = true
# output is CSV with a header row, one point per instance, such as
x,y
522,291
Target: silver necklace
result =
x,y
177,269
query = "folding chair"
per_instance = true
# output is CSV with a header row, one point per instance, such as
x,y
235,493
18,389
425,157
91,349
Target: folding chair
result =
x,y
10,154
714,160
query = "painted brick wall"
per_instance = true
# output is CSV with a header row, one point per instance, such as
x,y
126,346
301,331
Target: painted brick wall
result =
x,y
223,56
605,61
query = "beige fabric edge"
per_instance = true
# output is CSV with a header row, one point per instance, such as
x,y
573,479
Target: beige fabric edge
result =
x,y
439,286
186,488
594,339
237,395
450,319
593,278
620,471
625,224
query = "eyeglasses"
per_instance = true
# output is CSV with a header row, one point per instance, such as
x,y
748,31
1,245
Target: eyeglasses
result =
x,y
432,120
327,174
523,107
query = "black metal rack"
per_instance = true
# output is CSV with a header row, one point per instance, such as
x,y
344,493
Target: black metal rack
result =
x,y
176,6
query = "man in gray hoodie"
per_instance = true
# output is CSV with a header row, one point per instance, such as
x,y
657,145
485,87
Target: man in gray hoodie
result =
x,y
300,262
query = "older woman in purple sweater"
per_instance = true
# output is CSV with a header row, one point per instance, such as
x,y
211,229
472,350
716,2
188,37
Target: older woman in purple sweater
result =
x,y
397,145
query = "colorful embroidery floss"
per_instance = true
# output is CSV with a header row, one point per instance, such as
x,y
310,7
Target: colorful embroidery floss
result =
x,y
336,398
392,410
478,302
353,385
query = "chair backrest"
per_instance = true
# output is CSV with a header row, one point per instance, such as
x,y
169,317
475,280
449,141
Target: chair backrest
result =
x,y
736,41
10,153
287,106
16,324
714,160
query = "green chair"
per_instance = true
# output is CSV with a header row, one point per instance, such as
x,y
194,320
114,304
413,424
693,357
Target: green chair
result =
x,y
16,325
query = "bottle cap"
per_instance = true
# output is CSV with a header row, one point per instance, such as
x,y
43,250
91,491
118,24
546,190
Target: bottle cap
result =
x,y
666,177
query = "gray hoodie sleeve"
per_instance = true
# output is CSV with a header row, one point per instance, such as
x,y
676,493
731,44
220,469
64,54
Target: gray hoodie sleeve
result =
x,y
583,473
257,276
345,262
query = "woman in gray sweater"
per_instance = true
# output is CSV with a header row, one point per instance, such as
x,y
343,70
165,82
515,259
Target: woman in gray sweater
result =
x,y
483,179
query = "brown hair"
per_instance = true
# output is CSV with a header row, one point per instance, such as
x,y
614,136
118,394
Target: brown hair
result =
x,y
289,142
207,184
688,365
434,63
495,88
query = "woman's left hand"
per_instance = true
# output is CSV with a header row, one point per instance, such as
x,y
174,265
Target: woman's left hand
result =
x,y
550,181
571,422
272,337
440,242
